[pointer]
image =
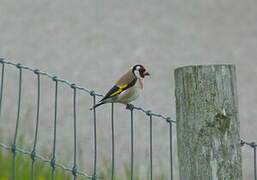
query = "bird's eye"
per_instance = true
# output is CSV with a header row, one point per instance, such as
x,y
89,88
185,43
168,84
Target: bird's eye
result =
x,y
141,70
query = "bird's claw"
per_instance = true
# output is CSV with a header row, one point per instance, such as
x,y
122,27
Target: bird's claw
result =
x,y
130,106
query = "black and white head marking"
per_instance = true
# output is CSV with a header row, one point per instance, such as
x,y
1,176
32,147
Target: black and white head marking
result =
x,y
139,71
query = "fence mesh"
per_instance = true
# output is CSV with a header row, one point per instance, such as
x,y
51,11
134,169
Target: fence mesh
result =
x,y
74,170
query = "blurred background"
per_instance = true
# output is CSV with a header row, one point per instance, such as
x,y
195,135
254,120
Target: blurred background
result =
x,y
91,43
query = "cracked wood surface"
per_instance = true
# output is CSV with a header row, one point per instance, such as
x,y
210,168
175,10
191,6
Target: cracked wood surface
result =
x,y
207,123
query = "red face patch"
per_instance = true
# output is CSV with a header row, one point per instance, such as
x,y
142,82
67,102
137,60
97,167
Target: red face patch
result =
x,y
142,69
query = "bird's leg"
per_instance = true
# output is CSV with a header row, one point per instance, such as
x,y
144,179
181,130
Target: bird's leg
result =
x,y
130,106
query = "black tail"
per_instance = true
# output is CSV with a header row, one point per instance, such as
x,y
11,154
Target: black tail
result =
x,y
98,104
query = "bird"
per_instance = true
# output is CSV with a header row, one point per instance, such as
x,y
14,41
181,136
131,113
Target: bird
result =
x,y
127,88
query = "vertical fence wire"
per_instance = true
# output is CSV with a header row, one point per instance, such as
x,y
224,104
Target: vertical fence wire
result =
x,y
1,89
55,123
151,147
254,146
255,171
74,170
33,153
17,125
132,145
95,138
171,157
113,148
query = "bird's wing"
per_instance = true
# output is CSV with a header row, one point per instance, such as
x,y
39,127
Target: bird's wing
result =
x,y
117,89
126,78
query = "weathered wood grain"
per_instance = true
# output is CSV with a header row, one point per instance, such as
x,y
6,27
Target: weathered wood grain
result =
x,y
207,123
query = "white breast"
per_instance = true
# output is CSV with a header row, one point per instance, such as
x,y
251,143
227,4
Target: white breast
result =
x,y
130,94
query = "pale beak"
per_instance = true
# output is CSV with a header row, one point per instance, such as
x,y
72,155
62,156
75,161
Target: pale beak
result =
x,y
146,74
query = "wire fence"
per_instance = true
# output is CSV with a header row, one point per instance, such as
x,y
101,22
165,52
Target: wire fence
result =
x,y
74,170
252,145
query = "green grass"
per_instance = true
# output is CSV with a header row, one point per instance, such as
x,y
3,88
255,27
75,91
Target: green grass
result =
x,y
23,168
43,170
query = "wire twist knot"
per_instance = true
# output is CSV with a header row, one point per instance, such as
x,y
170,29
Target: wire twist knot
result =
x,y
73,86
55,78
19,66
149,113
13,148
33,154
36,71
253,144
92,93
2,60
242,143
74,171
52,162
168,119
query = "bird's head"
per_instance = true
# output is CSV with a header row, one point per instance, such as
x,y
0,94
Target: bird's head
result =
x,y
140,71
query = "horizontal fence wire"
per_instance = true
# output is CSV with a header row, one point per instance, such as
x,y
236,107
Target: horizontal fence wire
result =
x,y
53,161
91,92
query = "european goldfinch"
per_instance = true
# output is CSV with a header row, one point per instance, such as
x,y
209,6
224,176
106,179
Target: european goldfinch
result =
x,y
127,88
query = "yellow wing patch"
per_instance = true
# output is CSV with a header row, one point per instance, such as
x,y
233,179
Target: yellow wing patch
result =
x,y
121,87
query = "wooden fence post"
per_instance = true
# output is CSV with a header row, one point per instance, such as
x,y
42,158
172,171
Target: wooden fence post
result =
x,y
207,123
